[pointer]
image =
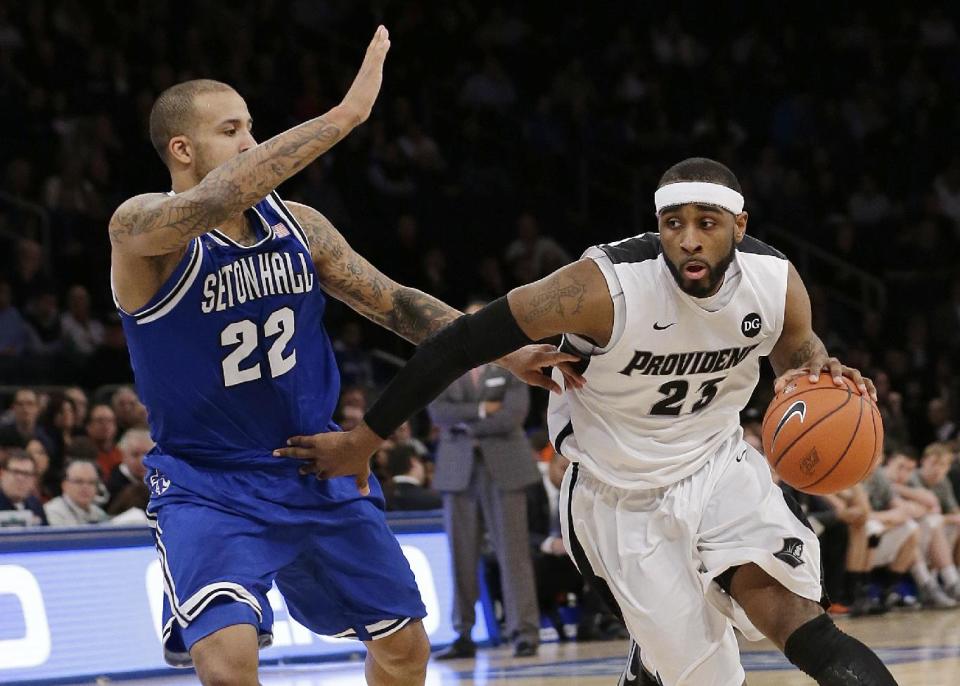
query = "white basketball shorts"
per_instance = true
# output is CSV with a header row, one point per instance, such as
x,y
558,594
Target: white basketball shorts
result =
x,y
659,550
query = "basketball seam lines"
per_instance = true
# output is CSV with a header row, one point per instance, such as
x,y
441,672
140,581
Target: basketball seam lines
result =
x,y
794,396
812,426
844,453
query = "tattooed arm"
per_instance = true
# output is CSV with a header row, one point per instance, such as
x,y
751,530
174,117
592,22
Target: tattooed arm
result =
x,y
158,224
409,313
574,299
799,350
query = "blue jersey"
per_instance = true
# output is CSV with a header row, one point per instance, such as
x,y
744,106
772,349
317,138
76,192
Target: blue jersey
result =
x,y
230,356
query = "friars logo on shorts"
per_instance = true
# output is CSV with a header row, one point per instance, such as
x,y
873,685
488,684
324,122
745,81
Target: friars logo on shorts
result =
x,y
750,326
792,552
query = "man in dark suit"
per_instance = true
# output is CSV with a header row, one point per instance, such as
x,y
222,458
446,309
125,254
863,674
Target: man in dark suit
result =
x,y
484,463
405,490
18,477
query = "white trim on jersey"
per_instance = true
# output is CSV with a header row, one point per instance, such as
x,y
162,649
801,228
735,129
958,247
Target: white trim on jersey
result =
x,y
224,239
174,296
192,264
277,203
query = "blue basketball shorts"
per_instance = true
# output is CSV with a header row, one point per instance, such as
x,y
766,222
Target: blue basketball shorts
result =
x,y
339,568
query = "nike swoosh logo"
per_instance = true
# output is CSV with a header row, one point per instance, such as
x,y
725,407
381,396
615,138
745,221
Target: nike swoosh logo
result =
x,y
798,409
657,327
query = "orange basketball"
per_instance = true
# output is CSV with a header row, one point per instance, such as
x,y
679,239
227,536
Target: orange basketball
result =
x,y
822,438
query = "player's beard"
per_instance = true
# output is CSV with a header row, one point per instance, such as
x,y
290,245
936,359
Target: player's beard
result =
x,y
705,287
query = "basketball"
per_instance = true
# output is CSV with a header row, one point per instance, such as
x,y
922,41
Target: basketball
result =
x,y
822,438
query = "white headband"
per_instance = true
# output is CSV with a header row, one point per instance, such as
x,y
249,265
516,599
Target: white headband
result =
x,y
687,192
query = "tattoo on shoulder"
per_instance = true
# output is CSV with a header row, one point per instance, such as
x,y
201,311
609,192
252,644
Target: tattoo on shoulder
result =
x,y
562,295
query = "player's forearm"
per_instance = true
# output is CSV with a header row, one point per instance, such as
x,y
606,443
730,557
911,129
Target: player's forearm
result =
x,y
158,224
416,315
799,356
248,178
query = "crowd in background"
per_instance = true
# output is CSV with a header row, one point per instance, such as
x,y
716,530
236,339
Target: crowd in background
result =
x,y
507,139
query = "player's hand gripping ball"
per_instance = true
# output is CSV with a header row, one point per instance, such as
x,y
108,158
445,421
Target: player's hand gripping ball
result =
x,y
822,438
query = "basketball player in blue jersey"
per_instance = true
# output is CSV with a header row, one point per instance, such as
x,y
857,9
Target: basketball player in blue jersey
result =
x,y
664,501
220,286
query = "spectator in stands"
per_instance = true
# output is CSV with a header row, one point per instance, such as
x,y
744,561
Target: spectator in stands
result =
x,y
43,314
894,520
403,436
128,409
81,404
353,359
544,254
82,333
406,490
18,505
57,421
555,574
38,451
76,507
934,550
935,465
125,484
483,464
940,426
102,430
109,363
24,427
354,396
17,337
29,278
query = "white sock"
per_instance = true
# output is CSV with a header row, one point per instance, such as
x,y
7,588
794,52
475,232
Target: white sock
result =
x,y
921,573
949,575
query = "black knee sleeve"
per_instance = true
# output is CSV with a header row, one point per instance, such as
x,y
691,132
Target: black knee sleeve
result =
x,y
833,658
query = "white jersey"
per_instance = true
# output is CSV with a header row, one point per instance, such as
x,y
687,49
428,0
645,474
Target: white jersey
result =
x,y
666,392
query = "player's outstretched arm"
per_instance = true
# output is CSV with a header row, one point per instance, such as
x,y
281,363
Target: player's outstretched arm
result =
x,y
800,351
350,278
574,299
157,224
408,312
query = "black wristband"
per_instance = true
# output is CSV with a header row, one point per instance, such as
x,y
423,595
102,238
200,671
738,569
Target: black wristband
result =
x,y
467,342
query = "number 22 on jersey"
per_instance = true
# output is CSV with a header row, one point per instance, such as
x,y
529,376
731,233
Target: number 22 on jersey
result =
x,y
279,326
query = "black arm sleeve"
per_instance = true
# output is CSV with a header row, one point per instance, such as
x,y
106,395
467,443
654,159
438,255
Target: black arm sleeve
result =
x,y
465,343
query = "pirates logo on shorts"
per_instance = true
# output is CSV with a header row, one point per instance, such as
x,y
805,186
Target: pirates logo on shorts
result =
x,y
792,552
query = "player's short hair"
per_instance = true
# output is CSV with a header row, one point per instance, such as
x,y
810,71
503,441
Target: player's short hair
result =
x,y
173,112
701,169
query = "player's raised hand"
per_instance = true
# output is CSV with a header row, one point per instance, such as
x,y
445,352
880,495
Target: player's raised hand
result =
x,y
528,362
366,86
335,453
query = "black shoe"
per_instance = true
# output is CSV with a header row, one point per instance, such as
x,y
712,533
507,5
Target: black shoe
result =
x,y
634,674
524,649
459,649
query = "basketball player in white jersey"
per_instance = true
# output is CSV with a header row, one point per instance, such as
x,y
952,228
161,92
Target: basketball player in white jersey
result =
x,y
663,500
